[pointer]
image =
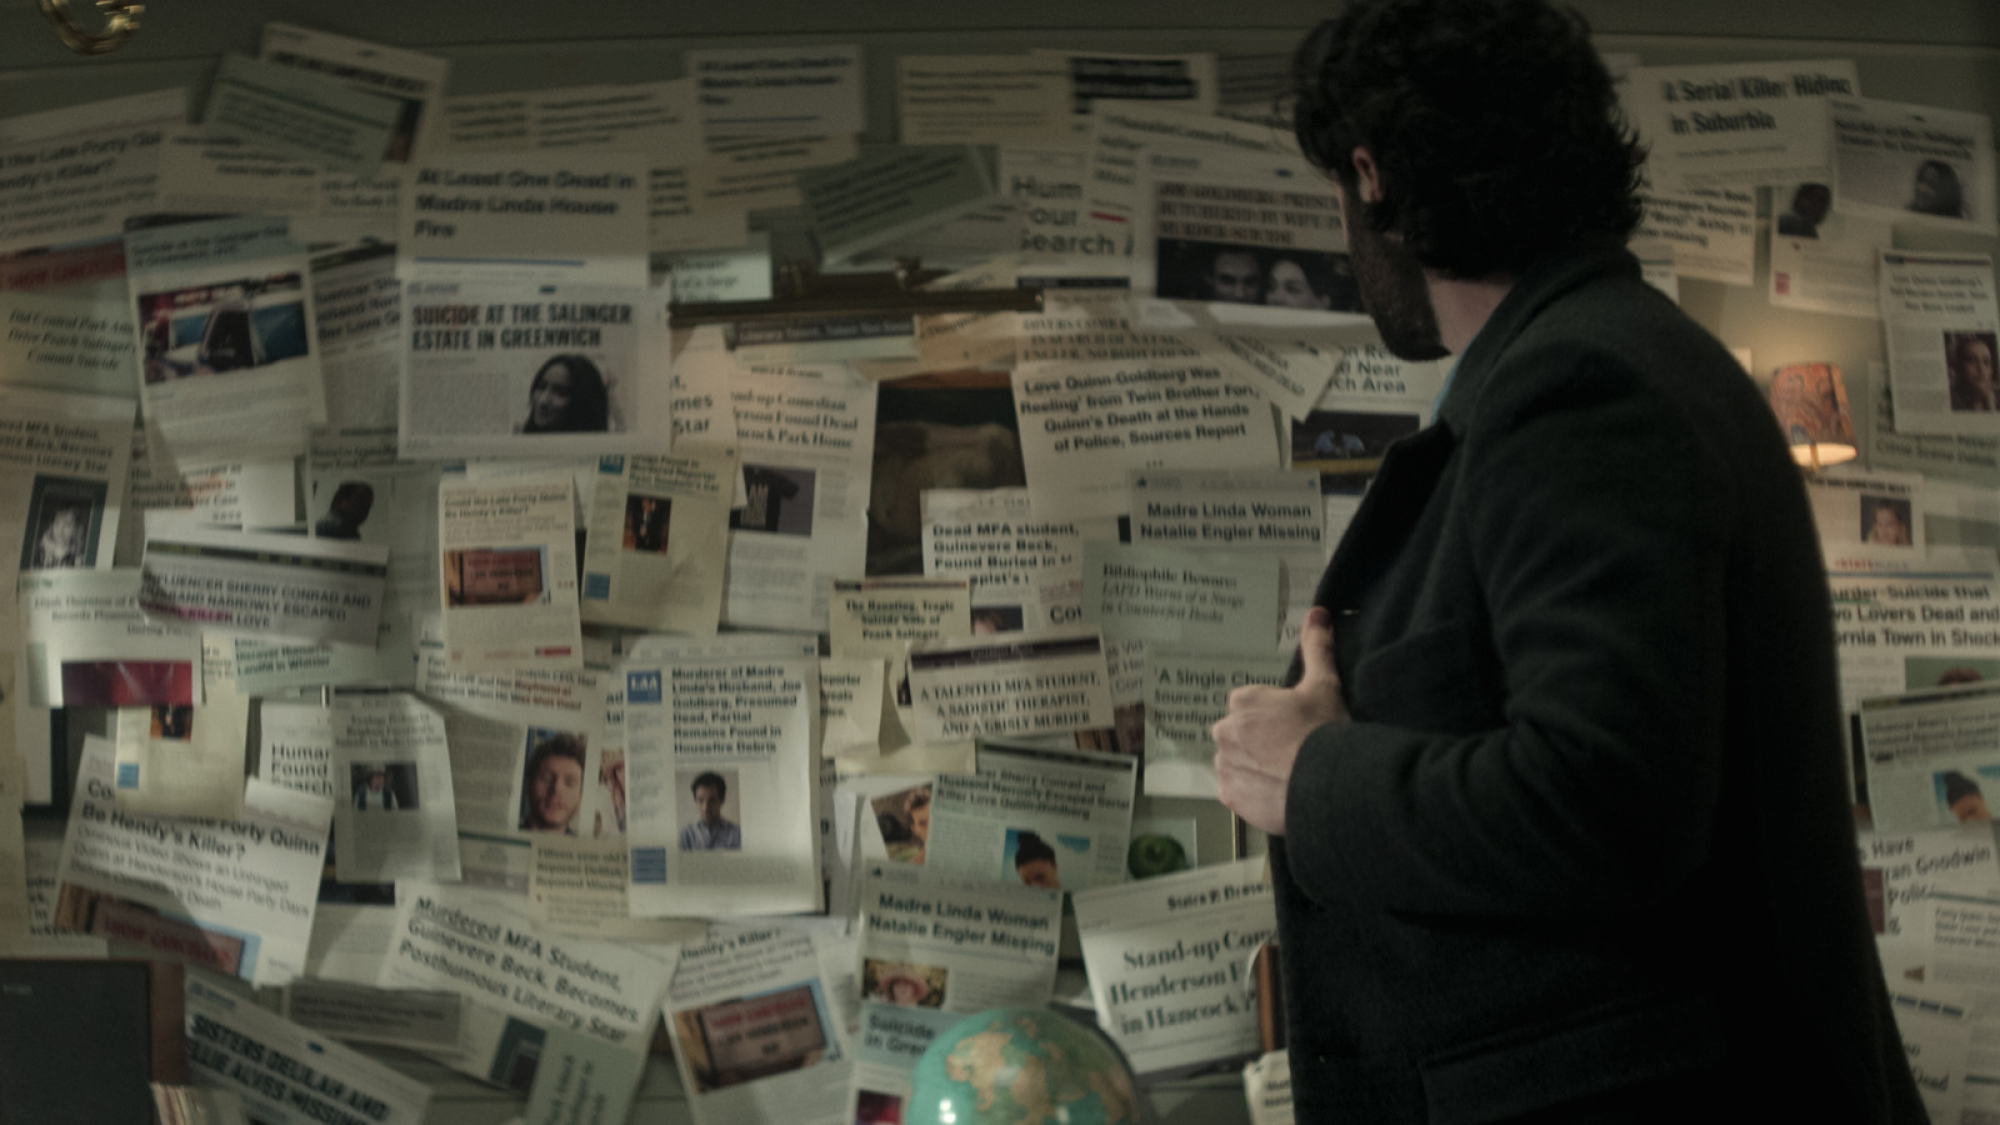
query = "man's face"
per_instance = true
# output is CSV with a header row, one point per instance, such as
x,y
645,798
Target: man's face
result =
x,y
1234,276
709,800
1392,288
375,782
558,789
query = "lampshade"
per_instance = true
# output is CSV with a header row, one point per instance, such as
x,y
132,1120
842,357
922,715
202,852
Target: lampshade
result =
x,y
1810,400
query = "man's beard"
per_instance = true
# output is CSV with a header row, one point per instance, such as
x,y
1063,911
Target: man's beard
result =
x,y
1393,290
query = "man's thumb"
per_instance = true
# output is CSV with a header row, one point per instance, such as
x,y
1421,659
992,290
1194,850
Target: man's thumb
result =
x,y
1316,645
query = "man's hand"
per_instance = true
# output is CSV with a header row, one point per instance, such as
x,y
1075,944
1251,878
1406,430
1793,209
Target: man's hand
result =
x,y
1256,744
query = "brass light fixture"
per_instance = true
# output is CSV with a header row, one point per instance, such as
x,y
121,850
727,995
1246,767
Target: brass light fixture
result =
x,y
121,19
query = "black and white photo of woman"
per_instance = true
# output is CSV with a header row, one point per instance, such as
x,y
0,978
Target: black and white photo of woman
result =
x,y
567,396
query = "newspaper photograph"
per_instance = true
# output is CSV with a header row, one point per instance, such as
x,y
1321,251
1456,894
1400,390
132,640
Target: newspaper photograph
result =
x,y
526,748
1229,599
934,950
1084,425
1878,509
507,548
1187,692
1822,261
1055,819
286,1074
528,370
89,644
414,82
580,217
1738,124
1279,512
224,312
722,776
659,539
399,821
1170,963
235,896
175,760
1940,320
1914,165
559,1020
78,340
1930,756
1011,684
806,436
268,586
754,1032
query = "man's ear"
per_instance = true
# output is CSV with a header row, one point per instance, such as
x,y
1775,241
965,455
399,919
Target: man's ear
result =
x,y
1367,176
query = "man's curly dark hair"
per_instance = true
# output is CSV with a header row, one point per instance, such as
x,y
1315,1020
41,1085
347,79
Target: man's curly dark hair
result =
x,y
1493,123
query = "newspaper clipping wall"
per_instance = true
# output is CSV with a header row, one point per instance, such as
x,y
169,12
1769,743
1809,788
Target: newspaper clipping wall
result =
x,y
659,539
507,547
1170,962
1056,819
722,783
934,950
236,896
754,1033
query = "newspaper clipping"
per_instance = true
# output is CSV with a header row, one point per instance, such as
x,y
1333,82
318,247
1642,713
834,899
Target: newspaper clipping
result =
x,y
659,539
1012,684
1055,819
400,821
1940,319
507,549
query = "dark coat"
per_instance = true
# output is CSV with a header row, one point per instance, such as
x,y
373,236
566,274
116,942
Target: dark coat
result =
x,y
1589,828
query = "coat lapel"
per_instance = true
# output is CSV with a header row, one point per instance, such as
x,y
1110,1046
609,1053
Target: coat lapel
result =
x,y
1409,475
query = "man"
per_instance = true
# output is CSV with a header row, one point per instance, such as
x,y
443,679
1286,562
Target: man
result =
x,y
555,784
711,832
1562,826
347,511
375,794
1235,275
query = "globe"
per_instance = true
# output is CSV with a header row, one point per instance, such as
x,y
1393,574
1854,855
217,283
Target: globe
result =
x,y
1021,1066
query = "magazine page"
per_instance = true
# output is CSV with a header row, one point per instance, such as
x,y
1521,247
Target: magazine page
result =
x,y
273,587
236,895
90,645
933,951
659,539
224,312
398,820
1010,684
1057,819
722,762
507,547
287,1075
1941,321
754,1033
528,369
807,440
178,760
1170,962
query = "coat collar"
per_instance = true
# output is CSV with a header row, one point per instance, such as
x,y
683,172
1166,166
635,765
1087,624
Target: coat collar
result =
x,y
1554,275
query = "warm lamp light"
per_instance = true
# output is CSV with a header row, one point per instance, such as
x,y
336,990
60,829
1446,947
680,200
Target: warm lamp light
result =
x,y
1810,400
